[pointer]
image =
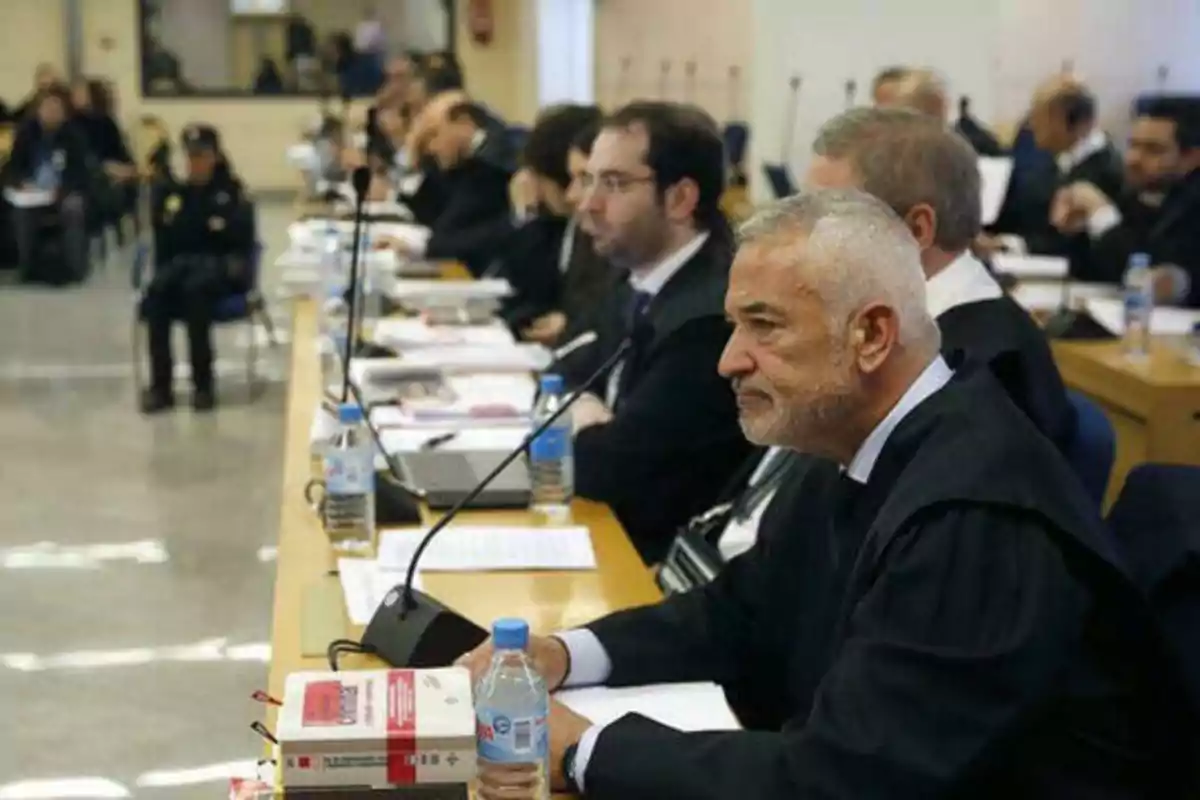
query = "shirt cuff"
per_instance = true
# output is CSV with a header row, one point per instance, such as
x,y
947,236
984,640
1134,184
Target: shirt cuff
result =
x,y
590,664
1103,220
411,184
1013,244
583,754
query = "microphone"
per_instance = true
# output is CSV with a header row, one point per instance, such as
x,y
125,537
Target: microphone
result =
x,y
789,130
361,180
395,499
412,629
851,91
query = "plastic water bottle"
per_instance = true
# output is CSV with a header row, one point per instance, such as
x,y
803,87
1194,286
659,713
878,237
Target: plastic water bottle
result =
x,y
551,454
512,707
1139,305
349,467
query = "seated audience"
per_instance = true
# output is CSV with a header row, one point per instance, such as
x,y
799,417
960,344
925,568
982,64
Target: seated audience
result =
x,y
301,50
659,437
45,78
538,261
929,176
886,84
1159,214
93,115
269,79
939,617
203,240
1063,121
921,90
477,164
50,153
157,166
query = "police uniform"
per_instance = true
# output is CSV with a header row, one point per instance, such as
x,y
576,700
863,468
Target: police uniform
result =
x,y
203,236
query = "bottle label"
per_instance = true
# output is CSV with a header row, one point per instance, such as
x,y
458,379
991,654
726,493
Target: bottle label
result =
x,y
552,444
349,471
502,739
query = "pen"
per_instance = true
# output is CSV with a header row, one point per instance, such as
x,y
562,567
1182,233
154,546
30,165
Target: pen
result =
x,y
437,441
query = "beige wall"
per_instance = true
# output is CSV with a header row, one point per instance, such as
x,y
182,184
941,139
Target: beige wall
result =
x,y
715,35
410,24
503,73
33,33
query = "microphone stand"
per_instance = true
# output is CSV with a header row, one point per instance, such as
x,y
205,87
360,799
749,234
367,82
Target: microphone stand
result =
x,y
361,180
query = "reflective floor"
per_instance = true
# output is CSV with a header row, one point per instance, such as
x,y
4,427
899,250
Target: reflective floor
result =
x,y
136,555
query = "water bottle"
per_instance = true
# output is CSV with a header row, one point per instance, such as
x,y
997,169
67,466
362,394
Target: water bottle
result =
x,y
1139,305
512,707
551,454
349,472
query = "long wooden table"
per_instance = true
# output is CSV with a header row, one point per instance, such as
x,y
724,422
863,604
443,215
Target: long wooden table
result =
x,y
1154,405
308,598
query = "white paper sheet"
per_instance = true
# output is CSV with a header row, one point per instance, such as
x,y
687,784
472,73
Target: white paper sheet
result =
x,y
469,548
994,173
364,585
1049,296
409,332
1164,321
309,234
29,198
456,291
683,706
412,440
519,358
1028,267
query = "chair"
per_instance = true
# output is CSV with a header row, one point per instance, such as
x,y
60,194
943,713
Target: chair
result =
x,y
780,179
737,139
1093,447
245,306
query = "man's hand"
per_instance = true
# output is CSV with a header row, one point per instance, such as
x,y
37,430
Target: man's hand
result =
x,y
1073,205
523,191
566,729
548,653
546,329
986,246
518,781
379,189
589,410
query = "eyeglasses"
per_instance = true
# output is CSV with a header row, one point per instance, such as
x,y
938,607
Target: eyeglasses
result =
x,y
611,182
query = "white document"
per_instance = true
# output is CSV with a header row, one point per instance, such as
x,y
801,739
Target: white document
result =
x,y
415,439
365,584
470,548
1050,296
303,156
1030,267
512,358
29,198
684,706
1164,321
456,291
994,174
409,332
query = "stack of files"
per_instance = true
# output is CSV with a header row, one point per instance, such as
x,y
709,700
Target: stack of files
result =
x,y
397,441
688,707
310,234
433,292
1036,296
406,333
469,401
365,583
450,359
1030,267
1164,321
478,548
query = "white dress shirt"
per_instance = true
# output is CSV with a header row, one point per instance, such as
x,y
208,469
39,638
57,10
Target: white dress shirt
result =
x,y
590,663
741,532
651,281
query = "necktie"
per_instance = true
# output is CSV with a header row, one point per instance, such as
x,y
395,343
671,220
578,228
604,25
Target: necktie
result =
x,y
639,304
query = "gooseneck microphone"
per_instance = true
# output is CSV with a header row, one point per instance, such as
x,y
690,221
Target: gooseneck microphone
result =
x,y
361,179
411,628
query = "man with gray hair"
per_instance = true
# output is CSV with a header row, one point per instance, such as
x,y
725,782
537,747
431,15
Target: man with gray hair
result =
x,y
916,628
929,176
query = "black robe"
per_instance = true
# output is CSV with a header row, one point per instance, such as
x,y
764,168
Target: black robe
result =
x,y
1169,234
957,627
674,441
1001,335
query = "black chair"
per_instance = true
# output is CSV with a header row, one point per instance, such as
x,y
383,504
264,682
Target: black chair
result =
x,y
780,178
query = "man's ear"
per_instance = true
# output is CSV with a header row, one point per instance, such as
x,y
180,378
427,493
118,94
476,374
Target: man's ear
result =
x,y
681,198
875,332
922,221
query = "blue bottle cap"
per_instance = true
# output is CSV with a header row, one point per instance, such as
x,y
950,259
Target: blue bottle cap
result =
x,y
1139,260
349,414
551,383
510,634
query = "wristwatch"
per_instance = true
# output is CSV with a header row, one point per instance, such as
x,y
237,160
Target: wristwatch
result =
x,y
568,768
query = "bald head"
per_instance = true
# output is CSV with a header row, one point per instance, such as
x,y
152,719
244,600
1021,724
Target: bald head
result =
x,y
1063,112
924,91
885,84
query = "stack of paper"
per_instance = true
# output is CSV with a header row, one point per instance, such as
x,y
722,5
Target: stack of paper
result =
x,y
365,583
994,174
509,358
468,548
1051,296
408,332
460,439
1164,321
1027,267
469,401
683,706
435,291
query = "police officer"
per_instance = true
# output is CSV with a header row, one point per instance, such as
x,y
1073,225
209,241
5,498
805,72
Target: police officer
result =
x,y
203,237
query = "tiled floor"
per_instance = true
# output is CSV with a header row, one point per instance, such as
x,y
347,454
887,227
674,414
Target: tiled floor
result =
x,y
135,554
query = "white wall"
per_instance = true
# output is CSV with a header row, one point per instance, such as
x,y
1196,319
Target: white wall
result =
x,y
33,33
198,33
566,67
994,51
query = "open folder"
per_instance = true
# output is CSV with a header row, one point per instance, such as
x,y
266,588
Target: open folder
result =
x,y
683,706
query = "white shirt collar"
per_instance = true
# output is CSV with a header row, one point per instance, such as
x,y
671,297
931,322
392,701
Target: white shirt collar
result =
x,y
651,281
964,280
1084,149
477,141
931,379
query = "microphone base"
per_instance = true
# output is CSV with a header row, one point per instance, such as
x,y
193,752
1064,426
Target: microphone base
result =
x,y
1078,325
427,635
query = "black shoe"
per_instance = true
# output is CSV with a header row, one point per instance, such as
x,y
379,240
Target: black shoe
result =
x,y
204,400
155,401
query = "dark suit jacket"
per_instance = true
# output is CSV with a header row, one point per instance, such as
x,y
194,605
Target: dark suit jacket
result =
x,y
958,627
1026,208
674,441
1170,235
589,277
31,140
475,222
530,262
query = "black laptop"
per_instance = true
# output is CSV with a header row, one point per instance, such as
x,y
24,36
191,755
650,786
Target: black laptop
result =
x,y
447,477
